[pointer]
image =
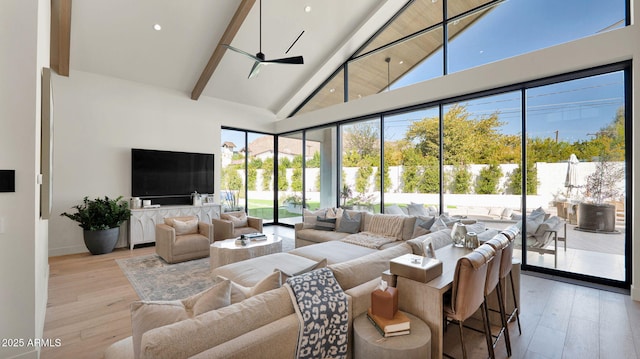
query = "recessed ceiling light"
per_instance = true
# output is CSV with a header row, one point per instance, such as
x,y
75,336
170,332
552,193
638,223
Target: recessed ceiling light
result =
x,y
157,27
400,62
332,90
307,8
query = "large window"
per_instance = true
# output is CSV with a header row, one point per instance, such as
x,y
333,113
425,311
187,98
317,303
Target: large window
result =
x,y
246,182
412,158
320,169
576,171
360,177
290,178
481,156
414,46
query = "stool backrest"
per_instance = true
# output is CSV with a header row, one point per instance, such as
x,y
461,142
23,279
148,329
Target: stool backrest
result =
x,y
468,284
493,266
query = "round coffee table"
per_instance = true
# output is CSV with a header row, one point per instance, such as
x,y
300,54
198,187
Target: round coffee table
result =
x,y
368,343
227,251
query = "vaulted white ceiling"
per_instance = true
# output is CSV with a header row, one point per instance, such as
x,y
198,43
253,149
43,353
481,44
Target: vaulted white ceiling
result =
x,y
116,38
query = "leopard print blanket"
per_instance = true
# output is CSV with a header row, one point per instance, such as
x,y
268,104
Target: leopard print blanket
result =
x,y
321,306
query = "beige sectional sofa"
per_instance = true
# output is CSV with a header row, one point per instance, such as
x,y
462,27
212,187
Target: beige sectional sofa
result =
x,y
265,325
306,234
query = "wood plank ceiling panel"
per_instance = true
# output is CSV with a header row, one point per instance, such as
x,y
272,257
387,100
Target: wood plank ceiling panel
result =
x,y
231,31
60,37
368,74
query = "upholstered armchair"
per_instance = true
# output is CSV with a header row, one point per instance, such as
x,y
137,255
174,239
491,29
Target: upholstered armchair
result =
x,y
180,239
233,224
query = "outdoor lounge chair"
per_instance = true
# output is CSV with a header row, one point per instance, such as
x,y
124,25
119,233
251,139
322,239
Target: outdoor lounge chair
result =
x,y
544,234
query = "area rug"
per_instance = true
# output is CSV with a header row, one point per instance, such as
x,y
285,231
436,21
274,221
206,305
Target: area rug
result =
x,y
154,279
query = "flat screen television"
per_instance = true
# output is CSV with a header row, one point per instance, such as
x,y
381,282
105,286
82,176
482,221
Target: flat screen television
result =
x,y
168,177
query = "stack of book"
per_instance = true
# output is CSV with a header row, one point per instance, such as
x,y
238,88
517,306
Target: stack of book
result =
x,y
254,236
399,325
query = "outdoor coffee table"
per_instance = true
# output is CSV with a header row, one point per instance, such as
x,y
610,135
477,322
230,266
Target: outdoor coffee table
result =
x,y
227,251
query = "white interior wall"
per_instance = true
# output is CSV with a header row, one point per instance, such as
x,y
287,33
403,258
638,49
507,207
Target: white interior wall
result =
x,y
600,49
98,120
24,43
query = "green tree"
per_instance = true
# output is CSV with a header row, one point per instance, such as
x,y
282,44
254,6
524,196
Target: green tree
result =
x,y
314,162
252,173
488,180
461,180
362,179
296,179
267,174
515,179
362,138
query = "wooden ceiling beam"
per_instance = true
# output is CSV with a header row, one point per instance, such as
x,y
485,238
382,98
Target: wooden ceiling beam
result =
x,y
60,46
231,31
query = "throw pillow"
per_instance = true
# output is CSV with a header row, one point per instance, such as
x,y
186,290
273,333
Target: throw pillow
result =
x,y
239,219
309,217
423,225
417,209
349,223
147,315
437,225
185,227
240,292
393,210
325,224
284,275
432,211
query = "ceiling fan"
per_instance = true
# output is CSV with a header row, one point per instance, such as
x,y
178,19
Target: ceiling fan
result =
x,y
260,59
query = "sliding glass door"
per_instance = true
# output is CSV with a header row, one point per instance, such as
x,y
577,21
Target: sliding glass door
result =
x,y
576,157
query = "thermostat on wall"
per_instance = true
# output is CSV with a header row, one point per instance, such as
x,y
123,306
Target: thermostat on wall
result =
x,y
7,180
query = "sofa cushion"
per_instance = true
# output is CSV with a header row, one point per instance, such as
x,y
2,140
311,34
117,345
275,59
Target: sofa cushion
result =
x,y
422,226
185,227
417,209
147,315
360,270
195,335
239,219
325,224
333,251
284,275
313,235
387,225
349,223
251,271
394,209
309,217
240,292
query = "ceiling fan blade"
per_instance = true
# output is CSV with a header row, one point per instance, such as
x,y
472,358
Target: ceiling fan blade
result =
x,y
296,60
255,69
252,57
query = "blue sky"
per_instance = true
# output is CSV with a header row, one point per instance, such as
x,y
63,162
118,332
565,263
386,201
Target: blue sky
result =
x,y
574,109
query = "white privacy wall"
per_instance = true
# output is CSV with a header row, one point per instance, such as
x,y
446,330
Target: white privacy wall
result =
x,y
97,120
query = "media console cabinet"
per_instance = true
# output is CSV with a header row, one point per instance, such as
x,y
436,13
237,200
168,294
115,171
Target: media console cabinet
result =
x,y
142,224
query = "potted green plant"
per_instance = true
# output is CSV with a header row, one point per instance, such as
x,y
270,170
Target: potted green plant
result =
x,y
100,219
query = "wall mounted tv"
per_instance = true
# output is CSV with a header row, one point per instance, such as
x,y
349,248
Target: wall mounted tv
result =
x,y
168,177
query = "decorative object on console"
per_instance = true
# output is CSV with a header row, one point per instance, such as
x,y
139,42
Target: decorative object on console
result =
x,y
458,234
471,240
384,301
100,219
418,268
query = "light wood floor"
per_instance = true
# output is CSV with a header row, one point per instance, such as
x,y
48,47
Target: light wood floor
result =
x,y
89,298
